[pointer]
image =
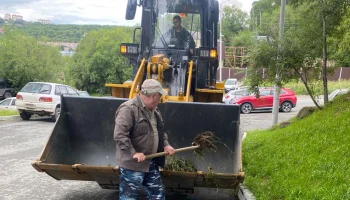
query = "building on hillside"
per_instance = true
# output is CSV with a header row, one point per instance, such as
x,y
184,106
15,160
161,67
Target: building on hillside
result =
x,y
45,21
17,17
7,16
2,31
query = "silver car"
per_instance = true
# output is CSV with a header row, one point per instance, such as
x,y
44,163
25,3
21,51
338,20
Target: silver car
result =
x,y
337,92
231,95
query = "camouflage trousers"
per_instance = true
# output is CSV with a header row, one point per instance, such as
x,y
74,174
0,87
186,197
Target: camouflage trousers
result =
x,y
132,181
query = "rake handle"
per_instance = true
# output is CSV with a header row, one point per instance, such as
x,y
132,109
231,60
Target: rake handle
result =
x,y
155,155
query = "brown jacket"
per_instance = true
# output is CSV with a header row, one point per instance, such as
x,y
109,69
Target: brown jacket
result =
x,y
133,133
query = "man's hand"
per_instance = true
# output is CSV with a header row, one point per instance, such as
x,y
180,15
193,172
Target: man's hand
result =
x,y
139,157
169,149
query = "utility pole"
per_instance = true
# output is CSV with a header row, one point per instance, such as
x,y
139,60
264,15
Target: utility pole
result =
x,y
220,59
276,97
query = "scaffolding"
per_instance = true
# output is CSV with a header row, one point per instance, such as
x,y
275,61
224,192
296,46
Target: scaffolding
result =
x,y
235,57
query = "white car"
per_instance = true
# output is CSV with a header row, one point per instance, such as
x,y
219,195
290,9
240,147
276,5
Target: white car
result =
x,y
8,104
42,99
231,84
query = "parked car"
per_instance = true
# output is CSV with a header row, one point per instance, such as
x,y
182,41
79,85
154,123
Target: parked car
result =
x,y
248,103
8,104
6,89
83,93
231,84
42,99
233,94
336,93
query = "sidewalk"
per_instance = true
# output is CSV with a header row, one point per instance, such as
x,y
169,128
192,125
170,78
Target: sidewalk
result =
x,y
13,117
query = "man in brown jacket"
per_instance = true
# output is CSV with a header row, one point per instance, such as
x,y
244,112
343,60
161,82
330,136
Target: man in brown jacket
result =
x,y
139,132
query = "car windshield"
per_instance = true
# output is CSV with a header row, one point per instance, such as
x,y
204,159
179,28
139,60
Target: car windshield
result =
x,y
173,14
231,82
5,102
83,93
36,88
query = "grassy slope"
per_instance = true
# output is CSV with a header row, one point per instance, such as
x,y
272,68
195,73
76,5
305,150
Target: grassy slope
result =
x,y
309,159
8,112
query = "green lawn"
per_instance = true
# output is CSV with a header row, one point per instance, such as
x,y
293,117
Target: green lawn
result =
x,y
300,89
8,112
310,159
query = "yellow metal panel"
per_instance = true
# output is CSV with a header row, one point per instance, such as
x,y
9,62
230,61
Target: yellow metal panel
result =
x,y
124,85
178,99
219,85
189,81
210,91
137,80
157,58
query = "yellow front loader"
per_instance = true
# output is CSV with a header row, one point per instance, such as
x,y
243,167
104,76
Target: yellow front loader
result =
x,y
81,146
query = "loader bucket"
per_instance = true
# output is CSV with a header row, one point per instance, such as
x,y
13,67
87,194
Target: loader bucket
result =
x,y
81,145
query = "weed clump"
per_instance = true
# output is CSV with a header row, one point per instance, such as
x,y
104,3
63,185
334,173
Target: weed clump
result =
x,y
175,163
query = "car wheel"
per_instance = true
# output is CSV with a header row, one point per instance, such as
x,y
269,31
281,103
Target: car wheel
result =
x,y
246,108
286,106
57,114
25,116
7,95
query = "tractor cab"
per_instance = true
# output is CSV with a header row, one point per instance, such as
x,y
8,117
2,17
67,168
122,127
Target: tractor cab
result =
x,y
182,31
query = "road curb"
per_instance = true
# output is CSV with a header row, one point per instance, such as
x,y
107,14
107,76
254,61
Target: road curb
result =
x,y
244,193
13,117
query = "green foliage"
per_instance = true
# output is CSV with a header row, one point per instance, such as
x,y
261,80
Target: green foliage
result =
x,y
8,112
244,38
234,20
24,59
60,32
300,89
340,42
308,159
175,163
300,50
98,61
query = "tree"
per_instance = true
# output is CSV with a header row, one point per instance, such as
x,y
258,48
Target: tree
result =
x,y
331,13
24,59
234,20
300,53
340,42
244,38
97,60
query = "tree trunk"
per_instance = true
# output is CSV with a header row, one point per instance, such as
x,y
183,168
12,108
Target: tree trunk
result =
x,y
305,82
324,68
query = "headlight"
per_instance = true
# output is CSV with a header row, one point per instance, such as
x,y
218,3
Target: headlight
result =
x,y
204,53
129,48
208,53
213,53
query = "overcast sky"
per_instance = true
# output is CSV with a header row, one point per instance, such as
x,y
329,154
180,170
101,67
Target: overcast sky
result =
x,y
103,12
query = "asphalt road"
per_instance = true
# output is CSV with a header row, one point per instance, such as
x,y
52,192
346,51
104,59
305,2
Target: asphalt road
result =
x,y
263,119
21,142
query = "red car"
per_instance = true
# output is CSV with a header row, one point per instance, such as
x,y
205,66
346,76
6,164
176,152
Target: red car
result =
x,y
288,100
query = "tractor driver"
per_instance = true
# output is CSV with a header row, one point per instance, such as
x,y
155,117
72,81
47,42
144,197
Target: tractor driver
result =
x,y
179,36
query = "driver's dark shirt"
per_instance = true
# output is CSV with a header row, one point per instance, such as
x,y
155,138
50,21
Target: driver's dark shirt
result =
x,y
182,39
